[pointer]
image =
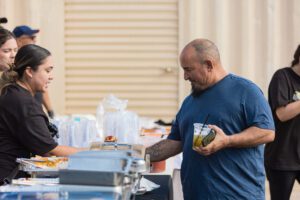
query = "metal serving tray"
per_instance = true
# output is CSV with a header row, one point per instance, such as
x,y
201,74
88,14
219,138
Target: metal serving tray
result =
x,y
138,165
93,178
42,173
100,163
27,165
96,168
105,153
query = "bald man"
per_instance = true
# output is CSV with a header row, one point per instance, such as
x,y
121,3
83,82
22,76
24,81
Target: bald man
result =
x,y
231,166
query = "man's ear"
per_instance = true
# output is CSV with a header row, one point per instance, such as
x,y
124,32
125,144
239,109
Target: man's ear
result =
x,y
209,65
28,72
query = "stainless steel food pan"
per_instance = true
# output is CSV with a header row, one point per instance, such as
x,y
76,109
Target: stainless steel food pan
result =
x,y
96,178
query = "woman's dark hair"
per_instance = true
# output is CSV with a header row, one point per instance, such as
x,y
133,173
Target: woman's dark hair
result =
x,y
28,56
5,35
296,56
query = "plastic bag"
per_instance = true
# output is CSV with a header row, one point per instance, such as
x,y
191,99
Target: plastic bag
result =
x,y
116,121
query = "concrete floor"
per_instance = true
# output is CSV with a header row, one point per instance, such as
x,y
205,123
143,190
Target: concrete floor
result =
x,y
295,193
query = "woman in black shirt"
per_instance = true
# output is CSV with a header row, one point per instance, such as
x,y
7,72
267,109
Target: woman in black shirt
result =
x,y
23,124
282,156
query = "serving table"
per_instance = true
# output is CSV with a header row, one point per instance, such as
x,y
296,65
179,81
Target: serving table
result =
x,y
94,174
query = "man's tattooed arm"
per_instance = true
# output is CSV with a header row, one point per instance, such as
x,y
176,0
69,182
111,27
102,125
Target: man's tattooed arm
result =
x,y
163,150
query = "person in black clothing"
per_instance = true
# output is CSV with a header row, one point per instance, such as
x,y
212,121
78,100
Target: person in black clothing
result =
x,y
282,157
8,51
23,124
26,35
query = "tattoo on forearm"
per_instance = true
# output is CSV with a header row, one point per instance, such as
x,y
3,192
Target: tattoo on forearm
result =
x,y
162,150
155,150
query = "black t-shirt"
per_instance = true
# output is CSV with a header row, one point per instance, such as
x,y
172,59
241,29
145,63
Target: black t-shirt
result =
x,y
284,152
23,128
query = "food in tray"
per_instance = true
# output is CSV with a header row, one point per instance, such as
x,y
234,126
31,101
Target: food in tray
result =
x,y
110,138
50,162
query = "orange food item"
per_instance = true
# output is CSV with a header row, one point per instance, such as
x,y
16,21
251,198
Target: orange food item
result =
x,y
110,138
50,162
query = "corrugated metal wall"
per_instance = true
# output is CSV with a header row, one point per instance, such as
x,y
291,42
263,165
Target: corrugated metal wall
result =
x,y
255,37
124,47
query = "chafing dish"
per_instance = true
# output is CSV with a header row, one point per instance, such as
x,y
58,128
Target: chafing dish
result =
x,y
100,168
105,168
103,172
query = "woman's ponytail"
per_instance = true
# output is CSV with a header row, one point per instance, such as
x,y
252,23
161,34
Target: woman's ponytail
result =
x,y
8,77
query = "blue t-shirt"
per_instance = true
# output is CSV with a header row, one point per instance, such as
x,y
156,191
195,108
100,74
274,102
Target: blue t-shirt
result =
x,y
233,104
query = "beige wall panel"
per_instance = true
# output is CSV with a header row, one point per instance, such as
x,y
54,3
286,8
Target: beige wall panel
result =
x,y
46,15
128,48
120,25
119,64
255,37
